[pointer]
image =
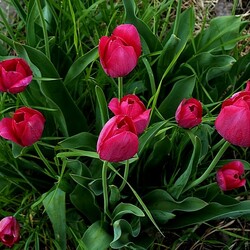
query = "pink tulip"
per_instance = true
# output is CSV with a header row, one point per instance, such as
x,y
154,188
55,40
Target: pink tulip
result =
x,y
24,128
119,53
233,121
15,75
133,107
229,176
118,140
9,231
189,113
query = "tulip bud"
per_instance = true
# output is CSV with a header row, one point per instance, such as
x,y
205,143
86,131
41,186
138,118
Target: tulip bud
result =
x,y
118,140
9,231
119,53
24,128
189,113
15,75
133,107
229,176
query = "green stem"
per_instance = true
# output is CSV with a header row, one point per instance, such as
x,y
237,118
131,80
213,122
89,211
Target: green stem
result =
x,y
2,104
45,161
125,177
105,188
211,166
120,88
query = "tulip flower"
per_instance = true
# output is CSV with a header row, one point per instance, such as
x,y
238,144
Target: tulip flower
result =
x,y
133,107
118,140
24,128
189,113
119,53
233,121
229,176
15,75
9,231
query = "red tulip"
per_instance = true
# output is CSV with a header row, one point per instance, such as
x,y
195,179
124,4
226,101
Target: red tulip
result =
x,y
24,128
233,121
189,113
133,107
15,75
118,140
119,53
9,231
229,176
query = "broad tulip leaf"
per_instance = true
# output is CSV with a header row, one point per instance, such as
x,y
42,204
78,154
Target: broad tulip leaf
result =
x,y
86,205
126,208
96,237
150,134
79,65
83,140
159,199
161,216
151,40
102,107
55,90
222,34
175,43
214,211
181,182
181,89
54,204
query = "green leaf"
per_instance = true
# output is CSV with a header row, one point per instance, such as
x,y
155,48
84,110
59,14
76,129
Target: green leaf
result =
x,y
174,43
102,106
151,40
222,34
86,205
181,182
79,65
54,204
96,237
161,200
181,89
214,211
149,134
83,140
71,116
126,208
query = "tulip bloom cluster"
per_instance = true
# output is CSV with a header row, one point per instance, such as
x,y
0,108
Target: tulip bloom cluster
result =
x,y
229,176
233,121
119,53
9,231
189,113
15,75
118,140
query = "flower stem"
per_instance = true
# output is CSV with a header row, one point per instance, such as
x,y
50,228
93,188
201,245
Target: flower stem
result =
x,y
120,88
125,177
105,188
210,167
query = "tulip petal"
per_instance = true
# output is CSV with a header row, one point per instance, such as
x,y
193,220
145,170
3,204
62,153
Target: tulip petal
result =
x,y
129,34
6,130
119,147
122,61
233,124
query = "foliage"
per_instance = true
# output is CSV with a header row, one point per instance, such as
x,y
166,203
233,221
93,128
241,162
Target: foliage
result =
x,y
55,187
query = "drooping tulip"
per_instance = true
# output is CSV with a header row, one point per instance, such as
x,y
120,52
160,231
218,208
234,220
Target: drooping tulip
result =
x,y
118,140
15,75
133,107
229,176
189,113
119,53
24,128
9,231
